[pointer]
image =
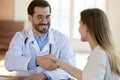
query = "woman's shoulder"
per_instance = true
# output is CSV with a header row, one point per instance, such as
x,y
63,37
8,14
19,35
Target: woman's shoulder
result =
x,y
99,54
98,51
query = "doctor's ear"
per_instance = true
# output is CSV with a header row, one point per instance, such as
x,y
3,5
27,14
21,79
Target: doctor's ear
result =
x,y
30,18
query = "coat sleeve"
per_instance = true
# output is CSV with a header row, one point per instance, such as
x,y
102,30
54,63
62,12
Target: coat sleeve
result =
x,y
14,60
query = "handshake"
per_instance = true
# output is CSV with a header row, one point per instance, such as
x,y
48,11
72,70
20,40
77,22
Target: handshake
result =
x,y
47,62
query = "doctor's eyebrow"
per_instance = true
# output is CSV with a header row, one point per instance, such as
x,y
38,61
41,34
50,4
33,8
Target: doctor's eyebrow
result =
x,y
43,15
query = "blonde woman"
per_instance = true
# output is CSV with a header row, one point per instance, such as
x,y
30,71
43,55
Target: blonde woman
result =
x,y
104,60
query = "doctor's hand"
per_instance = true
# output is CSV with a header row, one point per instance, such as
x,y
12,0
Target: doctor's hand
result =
x,y
46,63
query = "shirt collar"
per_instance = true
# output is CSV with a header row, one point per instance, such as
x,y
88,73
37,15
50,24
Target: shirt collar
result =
x,y
42,38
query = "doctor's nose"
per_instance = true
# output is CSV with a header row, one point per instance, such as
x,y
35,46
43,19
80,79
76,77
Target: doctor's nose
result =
x,y
44,20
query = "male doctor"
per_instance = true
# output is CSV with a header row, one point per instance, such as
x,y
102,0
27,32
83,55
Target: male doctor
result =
x,y
28,49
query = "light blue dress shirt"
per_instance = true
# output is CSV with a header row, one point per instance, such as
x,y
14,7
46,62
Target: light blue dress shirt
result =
x,y
41,41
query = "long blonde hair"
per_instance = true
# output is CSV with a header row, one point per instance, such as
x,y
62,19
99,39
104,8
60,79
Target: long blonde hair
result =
x,y
98,27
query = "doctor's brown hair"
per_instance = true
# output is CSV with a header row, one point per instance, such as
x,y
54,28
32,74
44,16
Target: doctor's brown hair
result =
x,y
37,3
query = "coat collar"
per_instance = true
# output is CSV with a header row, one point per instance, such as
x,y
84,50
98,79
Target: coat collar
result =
x,y
50,37
32,39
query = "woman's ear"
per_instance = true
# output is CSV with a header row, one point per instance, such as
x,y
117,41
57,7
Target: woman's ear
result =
x,y
85,27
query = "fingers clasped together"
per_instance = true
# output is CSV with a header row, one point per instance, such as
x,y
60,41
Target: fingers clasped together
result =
x,y
47,62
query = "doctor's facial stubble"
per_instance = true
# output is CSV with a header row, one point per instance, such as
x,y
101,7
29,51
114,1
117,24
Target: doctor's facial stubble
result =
x,y
42,28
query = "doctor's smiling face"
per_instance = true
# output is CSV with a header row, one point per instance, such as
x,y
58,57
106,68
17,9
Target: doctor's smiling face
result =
x,y
40,19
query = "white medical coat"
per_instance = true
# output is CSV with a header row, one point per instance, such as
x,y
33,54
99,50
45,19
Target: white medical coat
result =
x,y
21,50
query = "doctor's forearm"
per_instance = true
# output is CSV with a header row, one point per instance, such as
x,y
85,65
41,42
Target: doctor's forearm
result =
x,y
13,63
